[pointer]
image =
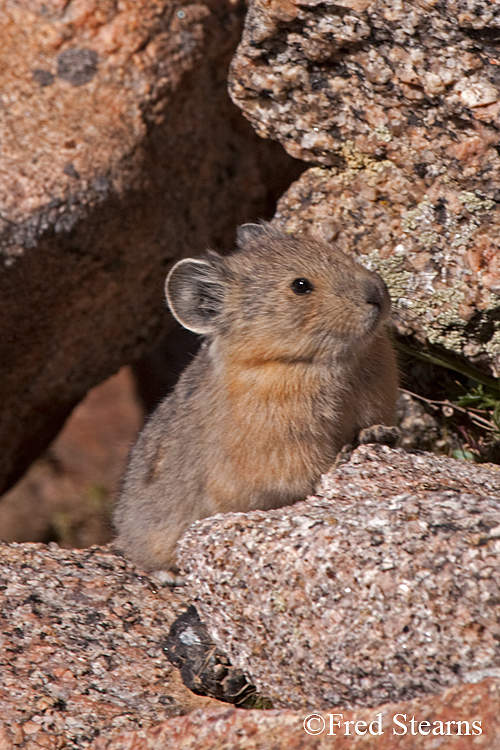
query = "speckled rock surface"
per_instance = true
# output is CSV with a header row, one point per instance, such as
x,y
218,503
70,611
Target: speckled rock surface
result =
x,y
404,79
215,729
120,151
418,429
384,587
400,104
81,647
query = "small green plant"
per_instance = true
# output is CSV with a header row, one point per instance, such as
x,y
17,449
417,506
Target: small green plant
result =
x,y
467,400
480,401
255,701
463,455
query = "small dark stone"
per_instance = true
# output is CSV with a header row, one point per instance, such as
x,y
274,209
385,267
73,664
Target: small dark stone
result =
x,y
420,168
204,668
70,170
376,540
77,66
413,119
43,77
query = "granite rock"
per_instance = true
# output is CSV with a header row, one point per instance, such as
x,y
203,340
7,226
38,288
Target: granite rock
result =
x,y
81,648
413,82
398,106
214,729
383,587
121,152
418,429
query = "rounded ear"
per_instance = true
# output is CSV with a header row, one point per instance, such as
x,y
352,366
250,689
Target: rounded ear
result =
x,y
248,232
195,291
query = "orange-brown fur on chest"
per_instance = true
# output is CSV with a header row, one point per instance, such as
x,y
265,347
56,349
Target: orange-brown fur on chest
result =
x,y
272,411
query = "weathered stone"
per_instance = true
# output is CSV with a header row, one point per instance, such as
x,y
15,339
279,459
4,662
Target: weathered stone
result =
x,y
402,103
436,724
410,82
82,640
81,647
383,587
120,151
419,430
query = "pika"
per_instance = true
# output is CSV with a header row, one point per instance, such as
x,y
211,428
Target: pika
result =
x,y
296,361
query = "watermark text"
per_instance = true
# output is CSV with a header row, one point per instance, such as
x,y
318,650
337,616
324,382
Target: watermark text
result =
x,y
398,724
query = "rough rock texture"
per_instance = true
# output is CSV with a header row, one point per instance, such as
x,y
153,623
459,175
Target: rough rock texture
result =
x,y
83,665
399,103
316,74
418,429
120,151
385,586
81,647
215,729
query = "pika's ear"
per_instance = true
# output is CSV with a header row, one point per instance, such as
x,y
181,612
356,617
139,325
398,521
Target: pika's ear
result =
x,y
195,294
248,232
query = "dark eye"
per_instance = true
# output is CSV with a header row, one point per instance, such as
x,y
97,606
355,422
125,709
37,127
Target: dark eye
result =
x,y
301,286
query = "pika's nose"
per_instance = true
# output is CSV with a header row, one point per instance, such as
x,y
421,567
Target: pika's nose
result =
x,y
376,294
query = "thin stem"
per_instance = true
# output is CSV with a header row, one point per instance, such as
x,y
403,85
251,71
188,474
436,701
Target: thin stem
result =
x,y
479,421
457,365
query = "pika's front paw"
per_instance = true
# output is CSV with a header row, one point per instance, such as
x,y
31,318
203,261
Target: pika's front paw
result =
x,y
169,578
379,433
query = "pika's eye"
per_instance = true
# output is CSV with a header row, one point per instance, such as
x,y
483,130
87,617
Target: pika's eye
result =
x,y
301,286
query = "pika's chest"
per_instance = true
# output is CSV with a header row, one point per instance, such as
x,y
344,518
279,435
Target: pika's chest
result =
x,y
280,409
